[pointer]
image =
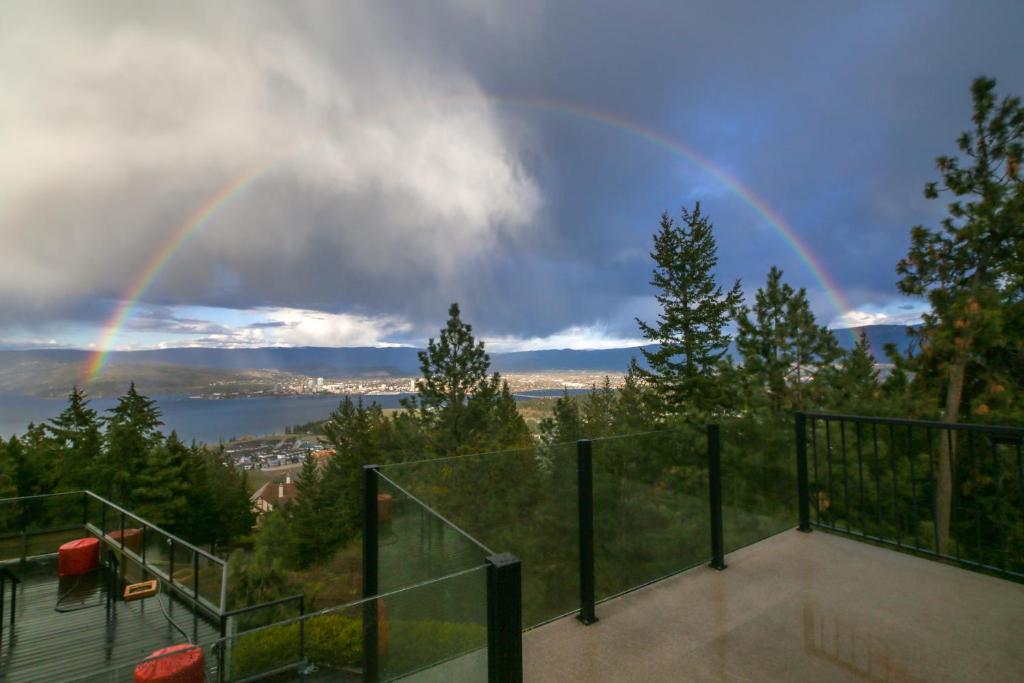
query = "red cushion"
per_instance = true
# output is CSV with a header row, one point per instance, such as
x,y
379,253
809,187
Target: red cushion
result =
x,y
176,664
78,557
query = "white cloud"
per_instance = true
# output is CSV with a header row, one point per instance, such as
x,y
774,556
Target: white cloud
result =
x,y
890,313
291,327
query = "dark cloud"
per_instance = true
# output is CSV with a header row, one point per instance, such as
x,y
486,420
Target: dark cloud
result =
x,y
443,154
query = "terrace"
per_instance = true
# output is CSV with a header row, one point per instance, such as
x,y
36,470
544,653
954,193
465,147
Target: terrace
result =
x,y
669,555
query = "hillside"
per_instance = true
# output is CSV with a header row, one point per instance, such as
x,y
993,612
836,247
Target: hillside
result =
x,y
49,372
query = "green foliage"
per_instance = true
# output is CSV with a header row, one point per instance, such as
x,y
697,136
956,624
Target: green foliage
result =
x,y
333,642
783,348
690,330
194,492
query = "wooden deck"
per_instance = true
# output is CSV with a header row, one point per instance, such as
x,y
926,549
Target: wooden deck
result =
x,y
87,643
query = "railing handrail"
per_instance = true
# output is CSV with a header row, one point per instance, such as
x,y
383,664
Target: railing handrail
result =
x,y
263,605
115,506
6,571
150,525
934,424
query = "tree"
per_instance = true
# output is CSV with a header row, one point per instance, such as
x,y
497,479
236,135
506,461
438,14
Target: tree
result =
x,y
690,330
970,268
356,433
783,347
565,423
160,490
856,387
455,394
76,433
306,519
132,430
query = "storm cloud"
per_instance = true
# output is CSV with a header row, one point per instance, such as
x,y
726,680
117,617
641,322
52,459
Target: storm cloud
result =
x,y
402,156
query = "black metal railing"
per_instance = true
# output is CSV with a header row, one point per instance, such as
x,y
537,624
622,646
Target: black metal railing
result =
x,y
6,575
947,490
37,525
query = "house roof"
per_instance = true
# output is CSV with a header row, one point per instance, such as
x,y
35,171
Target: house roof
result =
x,y
276,493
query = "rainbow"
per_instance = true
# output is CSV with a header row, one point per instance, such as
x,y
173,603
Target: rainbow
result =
x,y
156,264
201,215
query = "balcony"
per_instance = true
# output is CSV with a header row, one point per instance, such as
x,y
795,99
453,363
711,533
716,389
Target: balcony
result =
x,y
796,607
667,555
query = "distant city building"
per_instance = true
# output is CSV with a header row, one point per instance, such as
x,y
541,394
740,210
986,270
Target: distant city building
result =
x,y
412,385
319,383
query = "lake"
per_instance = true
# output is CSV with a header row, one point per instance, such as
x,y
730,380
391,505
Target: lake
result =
x,y
208,420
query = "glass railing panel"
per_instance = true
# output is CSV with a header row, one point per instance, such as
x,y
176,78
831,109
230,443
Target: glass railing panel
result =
x,y
416,544
651,512
211,575
519,501
184,570
38,525
438,627
157,549
441,626
759,483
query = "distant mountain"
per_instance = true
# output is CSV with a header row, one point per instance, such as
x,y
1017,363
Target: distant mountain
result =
x,y
49,371
878,336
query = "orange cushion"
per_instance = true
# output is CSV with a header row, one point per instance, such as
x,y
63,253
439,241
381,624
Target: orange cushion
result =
x,y
78,556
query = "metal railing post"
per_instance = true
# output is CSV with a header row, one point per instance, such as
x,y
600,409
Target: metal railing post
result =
x,y
371,569
715,497
803,487
85,509
585,505
302,628
504,619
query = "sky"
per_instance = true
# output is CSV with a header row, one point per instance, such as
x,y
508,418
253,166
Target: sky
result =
x,y
335,174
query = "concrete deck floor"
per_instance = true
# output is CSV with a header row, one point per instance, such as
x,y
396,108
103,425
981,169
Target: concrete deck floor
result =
x,y
797,607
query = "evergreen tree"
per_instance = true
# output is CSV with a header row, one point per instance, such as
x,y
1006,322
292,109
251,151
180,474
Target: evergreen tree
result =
x,y
455,394
599,410
305,516
356,433
784,349
565,424
132,430
76,433
970,269
764,342
815,354
160,489
630,414
690,330
857,389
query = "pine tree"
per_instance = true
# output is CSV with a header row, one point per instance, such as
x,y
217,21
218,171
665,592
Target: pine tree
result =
x,y
971,268
132,430
857,389
565,424
160,489
690,330
355,432
76,432
455,394
787,355
764,342
630,414
815,353
599,410
306,519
